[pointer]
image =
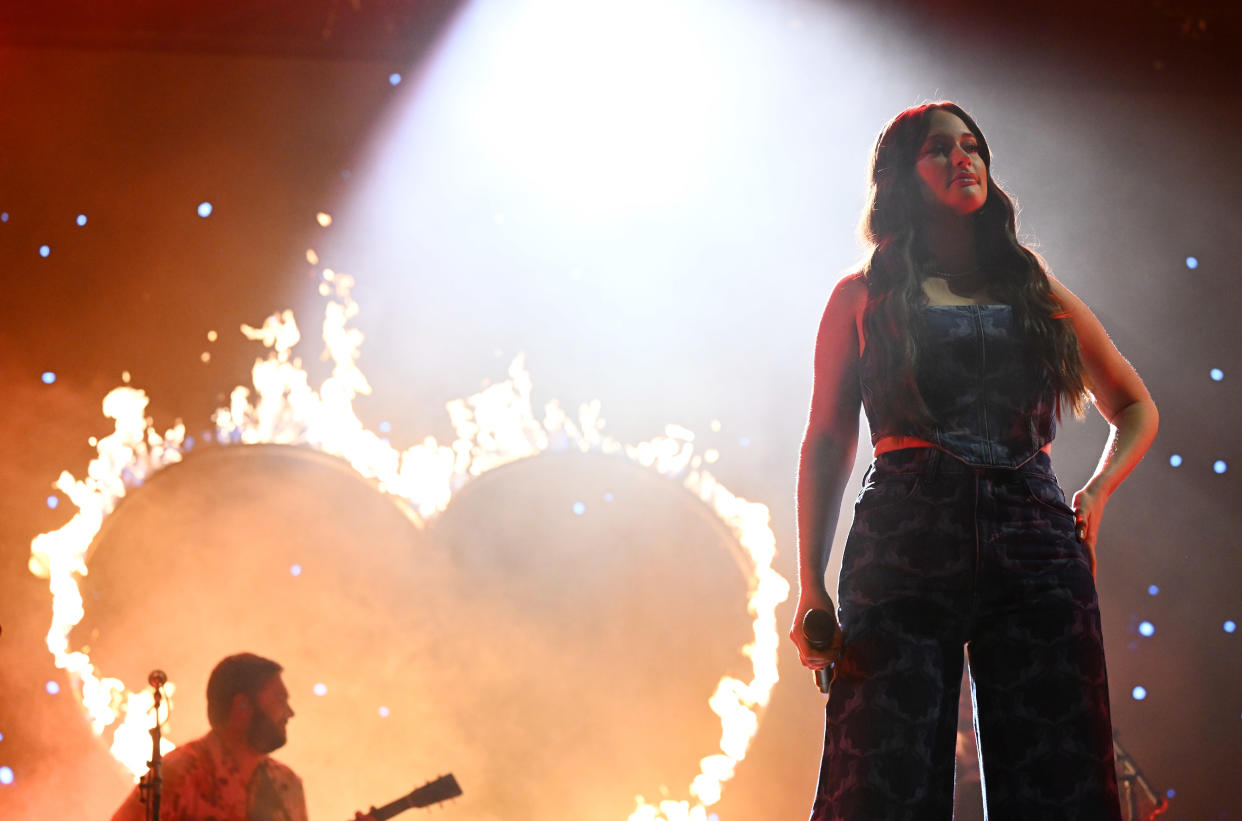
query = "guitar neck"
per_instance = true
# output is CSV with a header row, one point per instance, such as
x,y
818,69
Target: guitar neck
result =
x,y
392,808
433,792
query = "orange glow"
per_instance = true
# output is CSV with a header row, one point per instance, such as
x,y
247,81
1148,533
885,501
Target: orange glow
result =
x,y
494,427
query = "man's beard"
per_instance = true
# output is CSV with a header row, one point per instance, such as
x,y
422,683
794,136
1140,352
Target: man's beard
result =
x,y
264,735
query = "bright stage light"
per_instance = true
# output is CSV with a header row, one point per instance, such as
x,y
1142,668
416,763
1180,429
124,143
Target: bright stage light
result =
x,y
599,108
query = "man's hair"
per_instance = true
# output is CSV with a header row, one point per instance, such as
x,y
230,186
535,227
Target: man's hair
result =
x,y
244,673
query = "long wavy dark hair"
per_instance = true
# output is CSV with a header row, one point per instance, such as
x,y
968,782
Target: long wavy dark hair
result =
x,y
892,321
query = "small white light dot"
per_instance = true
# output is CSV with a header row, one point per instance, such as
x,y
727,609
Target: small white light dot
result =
x,y
311,256
579,508
1230,626
383,711
324,219
1147,629
212,336
320,689
205,356
608,497
1219,466
53,687
44,250
52,502
48,377
1139,693
711,456
295,570
1192,263
394,79
744,441
81,220
1176,460
1217,374
204,209
1153,590
385,427
4,217
6,775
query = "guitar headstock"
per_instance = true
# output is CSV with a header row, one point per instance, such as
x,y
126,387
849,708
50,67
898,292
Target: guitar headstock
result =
x,y
433,792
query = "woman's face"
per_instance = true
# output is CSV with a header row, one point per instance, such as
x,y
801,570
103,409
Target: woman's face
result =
x,y
951,171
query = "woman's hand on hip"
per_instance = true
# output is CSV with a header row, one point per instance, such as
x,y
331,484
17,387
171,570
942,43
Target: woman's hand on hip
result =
x,y
1088,510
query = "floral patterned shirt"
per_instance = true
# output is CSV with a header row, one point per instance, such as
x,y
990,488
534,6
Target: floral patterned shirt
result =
x,y
203,782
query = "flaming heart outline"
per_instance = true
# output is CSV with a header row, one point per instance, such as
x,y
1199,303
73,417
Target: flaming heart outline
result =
x,y
494,427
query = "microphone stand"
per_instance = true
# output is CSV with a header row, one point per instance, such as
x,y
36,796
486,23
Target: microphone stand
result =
x,y
152,784
1131,779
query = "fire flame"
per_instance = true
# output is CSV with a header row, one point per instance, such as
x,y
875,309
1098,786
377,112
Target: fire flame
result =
x,y
494,427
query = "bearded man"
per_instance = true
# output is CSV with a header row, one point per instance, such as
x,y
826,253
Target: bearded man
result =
x,y
228,774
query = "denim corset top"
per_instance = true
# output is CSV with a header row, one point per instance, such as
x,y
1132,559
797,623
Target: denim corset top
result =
x,y
992,399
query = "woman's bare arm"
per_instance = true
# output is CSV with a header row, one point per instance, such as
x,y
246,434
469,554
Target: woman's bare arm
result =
x,y
1122,399
828,449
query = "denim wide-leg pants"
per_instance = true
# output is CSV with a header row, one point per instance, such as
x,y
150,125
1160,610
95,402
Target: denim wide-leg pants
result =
x,y
943,555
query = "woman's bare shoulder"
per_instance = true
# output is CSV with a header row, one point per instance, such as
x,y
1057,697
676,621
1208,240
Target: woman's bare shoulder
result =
x,y
849,296
851,287
841,326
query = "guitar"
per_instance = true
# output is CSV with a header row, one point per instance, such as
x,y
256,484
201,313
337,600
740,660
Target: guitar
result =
x,y
433,792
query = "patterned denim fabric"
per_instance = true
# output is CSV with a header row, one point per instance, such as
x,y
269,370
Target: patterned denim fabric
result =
x,y
993,401
941,555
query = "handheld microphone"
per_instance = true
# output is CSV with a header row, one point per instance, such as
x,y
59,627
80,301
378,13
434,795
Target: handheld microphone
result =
x,y
819,627
157,679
